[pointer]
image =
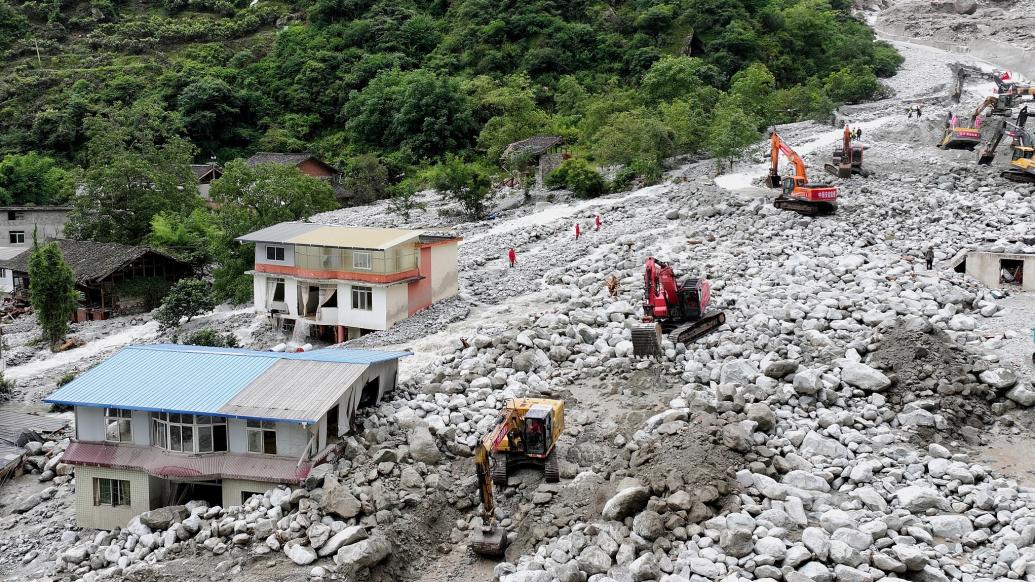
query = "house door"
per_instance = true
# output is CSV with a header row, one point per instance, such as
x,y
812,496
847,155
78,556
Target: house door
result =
x,y
371,391
332,423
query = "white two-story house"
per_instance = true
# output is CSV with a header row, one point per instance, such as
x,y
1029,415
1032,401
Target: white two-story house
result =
x,y
158,425
341,282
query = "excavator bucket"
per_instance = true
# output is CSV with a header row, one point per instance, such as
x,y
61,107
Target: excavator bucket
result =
x,y
489,540
646,340
773,180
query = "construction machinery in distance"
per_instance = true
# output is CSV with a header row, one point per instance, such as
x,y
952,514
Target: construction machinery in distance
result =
x,y
848,157
525,432
797,193
1007,95
986,155
679,309
1022,164
956,137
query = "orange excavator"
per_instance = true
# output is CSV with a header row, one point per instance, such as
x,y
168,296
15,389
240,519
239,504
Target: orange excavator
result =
x,y
798,194
848,157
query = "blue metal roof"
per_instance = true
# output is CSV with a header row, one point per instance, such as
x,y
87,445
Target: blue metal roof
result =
x,y
187,379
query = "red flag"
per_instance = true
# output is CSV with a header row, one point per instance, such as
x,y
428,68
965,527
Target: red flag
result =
x,y
1005,76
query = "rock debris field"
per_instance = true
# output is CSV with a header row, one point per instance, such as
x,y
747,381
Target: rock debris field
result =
x,y
830,430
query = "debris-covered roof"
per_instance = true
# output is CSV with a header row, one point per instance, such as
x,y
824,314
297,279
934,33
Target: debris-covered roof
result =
x,y
90,261
285,159
327,235
12,424
203,171
35,208
238,383
536,145
160,463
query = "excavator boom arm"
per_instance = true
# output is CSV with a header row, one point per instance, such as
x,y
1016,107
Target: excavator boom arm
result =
x,y
778,146
482,458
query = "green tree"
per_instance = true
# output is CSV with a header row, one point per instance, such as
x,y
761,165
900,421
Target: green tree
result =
x,y
420,112
13,25
576,175
33,179
137,166
852,84
633,135
515,115
251,198
186,237
732,130
186,298
468,184
365,179
51,290
754,86
676,77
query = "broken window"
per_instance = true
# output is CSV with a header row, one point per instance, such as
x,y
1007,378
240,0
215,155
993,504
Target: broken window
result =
x,y
363,298
118,425
1011,272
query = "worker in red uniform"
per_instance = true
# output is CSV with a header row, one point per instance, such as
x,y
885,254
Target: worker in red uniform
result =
x,y
598,222
578,231
512,256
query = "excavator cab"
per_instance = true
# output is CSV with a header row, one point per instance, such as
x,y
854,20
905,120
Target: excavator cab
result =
x,y
788,186
538,431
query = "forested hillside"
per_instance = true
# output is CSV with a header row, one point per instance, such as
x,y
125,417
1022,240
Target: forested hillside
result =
x,y
398,93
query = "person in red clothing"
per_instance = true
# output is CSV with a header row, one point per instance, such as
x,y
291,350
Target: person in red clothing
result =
x,y
512,256
578,231
598,222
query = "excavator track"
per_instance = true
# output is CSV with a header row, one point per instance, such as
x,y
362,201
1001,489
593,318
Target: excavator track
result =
x,y
1019,176
499,470
802,207
689,332
551,469
646,340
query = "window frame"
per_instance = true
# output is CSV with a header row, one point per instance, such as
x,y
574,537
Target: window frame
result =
x,y
262,429
277,250
122,417
369,266
16,237
163,427
119,492
358,291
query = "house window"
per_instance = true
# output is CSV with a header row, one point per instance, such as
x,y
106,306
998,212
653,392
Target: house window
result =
x,y
17,237
363,298
187,433
118,425
246,495
110,492
361,260
3,273
15,215
274,253
262,437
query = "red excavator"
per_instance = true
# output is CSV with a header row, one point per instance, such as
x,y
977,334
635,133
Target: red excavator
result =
x,y
678,309
848,158
798,193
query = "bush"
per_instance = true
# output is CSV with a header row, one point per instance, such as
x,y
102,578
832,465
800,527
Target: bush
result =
x,y
468,184
211,338
6,387
852,84
65,379
576,175
187,298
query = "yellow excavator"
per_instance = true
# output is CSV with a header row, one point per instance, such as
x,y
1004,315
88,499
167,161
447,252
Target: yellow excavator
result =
x,y
525,432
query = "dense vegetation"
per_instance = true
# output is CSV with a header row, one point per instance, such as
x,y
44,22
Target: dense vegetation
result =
x,y
122,95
